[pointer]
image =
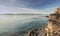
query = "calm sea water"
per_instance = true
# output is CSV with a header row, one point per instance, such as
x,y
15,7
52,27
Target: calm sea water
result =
x,y
13,23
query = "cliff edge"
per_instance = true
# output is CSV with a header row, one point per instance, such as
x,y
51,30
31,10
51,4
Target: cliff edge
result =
x,y
53,26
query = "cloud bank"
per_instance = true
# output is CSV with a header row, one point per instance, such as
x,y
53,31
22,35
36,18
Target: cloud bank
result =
x,y
27,6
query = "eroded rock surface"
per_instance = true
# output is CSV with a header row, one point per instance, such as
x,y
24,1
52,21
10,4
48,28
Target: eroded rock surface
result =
x,y
53,26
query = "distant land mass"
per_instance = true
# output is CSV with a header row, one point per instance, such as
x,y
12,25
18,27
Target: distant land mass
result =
x,y
20,14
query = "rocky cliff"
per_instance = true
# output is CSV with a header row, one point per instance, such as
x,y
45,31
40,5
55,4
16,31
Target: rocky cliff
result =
x,y
53,26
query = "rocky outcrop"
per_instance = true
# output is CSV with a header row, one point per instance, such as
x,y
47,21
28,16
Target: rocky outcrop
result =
x,y
36,32
53,26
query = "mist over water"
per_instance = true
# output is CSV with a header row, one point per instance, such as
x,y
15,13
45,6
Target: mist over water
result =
x,y
14,23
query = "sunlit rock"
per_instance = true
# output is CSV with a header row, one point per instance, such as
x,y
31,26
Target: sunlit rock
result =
x,y
53,26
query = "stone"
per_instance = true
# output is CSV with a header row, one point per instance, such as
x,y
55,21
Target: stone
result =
x,y
53,26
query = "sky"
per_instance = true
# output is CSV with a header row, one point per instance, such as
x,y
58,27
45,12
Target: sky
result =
x,y
28,6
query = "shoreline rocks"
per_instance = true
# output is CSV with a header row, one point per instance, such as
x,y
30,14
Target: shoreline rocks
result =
x,y
53,26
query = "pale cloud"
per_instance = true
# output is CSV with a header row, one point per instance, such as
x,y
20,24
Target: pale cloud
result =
x,y
9,6
5,10
8,3
34,11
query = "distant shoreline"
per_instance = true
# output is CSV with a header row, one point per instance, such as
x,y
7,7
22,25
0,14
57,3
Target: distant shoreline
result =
x,y
21,14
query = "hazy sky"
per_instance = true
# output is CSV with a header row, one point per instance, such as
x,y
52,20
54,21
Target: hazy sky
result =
x,y
28,6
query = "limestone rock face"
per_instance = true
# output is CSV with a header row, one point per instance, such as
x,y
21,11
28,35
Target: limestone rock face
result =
x,y
53,27
58,10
